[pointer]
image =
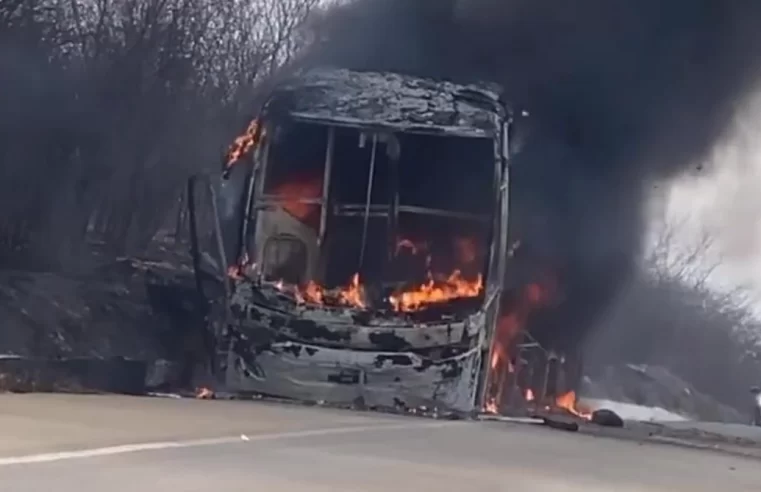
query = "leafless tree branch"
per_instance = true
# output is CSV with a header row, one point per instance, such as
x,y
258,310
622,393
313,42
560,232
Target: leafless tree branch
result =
x,y
108,106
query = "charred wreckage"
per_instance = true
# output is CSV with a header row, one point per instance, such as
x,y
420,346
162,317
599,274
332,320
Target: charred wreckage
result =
x,y
355,250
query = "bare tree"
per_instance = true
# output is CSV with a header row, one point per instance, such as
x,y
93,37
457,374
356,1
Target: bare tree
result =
x,y
671,317
108,106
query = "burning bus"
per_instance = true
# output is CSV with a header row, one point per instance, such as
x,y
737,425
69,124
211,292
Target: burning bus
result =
x,y
362,224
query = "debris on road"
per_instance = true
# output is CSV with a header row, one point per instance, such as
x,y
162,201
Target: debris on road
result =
x,y
607,418
561,423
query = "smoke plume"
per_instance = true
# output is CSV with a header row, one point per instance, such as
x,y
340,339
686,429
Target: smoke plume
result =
x,y
622,95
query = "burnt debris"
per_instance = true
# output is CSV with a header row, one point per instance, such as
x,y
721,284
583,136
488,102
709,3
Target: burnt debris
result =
x,y
607,418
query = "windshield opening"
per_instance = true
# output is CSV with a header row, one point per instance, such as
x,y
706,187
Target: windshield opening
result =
x,y
373,220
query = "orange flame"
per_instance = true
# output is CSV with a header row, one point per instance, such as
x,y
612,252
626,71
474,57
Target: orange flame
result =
x,y
500,366
491,407
355,294
352,295
495,357
434,292
244,143
204,393
529,395
569,403
509,326
437,289
314,293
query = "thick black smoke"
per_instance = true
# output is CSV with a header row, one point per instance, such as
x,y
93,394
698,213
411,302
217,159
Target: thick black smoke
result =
x,y
623,94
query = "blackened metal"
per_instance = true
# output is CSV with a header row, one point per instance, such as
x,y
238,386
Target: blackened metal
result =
x,y
327,176
549,371
451,370
346,376
560,423
366,216
209,331
390,341
255,191
393,217
500,243
553,374
607,418
389,101
195,249
307,329
246,206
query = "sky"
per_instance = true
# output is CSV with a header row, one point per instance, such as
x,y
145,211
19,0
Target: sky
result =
x,y
723,200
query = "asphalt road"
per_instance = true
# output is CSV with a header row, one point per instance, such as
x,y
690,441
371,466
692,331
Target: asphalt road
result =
x,y
89,444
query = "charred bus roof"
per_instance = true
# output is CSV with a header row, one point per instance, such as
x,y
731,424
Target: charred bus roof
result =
x,y
389,101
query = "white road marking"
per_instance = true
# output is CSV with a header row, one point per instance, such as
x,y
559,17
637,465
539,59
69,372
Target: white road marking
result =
x,y
156,446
